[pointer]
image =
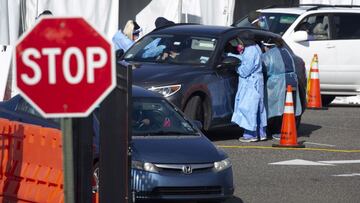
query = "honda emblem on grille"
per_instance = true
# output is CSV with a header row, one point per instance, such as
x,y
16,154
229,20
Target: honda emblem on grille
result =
x,y
187,169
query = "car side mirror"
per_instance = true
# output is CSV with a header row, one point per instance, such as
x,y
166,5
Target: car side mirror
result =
x,y
197,123
229,61
119,54
300,36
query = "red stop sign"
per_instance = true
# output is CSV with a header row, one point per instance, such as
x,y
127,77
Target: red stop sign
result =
x,y
64,67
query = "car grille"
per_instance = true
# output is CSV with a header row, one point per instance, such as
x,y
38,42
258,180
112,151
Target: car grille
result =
x,y
179,167
213,190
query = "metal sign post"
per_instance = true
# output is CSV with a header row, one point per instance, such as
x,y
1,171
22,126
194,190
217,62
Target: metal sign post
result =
x,y
115,158
68,159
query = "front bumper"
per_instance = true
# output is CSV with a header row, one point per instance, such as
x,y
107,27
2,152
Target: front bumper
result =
x,y
174,185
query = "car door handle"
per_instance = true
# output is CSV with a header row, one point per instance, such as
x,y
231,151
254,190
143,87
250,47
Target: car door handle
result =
x,y
329,46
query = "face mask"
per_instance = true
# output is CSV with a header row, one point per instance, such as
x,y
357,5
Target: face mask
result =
x,y
240,48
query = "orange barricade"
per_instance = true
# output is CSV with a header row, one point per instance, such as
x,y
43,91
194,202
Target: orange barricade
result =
x,y
31,163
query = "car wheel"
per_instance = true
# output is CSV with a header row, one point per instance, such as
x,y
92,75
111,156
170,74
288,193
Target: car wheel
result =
x,y
95,180
210,201
327,99
298,122
194,109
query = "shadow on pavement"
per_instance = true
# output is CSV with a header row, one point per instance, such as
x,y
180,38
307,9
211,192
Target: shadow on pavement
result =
x,y
231,200
234,200
225,133
234,133
344,105
305,129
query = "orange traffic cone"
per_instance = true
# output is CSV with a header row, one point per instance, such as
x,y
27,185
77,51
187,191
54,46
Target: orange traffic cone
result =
x,y
288,137
95,198
315,57
313,94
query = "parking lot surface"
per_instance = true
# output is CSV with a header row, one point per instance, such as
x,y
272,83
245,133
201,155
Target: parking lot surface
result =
x,y
327,170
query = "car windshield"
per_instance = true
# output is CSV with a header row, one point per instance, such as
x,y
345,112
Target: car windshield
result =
x,y
156,117
274,22
177,49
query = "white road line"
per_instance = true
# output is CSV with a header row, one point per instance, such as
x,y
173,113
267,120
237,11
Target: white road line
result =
x,y
300,162
341,162
314,143
347,175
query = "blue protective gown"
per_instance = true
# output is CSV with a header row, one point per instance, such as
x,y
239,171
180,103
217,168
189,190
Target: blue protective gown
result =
x,y
249,110
121,41
280,70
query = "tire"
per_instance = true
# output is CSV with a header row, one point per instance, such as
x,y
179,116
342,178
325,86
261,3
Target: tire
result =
x,y
210,201
298,122
194,109
327,99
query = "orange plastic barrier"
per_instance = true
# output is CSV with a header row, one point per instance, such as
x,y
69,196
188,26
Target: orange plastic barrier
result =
x,y
30,163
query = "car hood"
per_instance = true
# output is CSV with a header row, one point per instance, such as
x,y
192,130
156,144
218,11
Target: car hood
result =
x,y
175,150
151,74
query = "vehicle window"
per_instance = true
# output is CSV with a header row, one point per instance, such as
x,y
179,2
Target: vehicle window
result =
x,y
25,107
179,49
153,116
230,48
345,27
317,27
274,22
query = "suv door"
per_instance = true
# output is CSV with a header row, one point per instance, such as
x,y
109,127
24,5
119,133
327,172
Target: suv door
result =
x,y
347,41
319,42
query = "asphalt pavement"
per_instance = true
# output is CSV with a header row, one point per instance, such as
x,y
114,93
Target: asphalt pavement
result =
x,y
327,170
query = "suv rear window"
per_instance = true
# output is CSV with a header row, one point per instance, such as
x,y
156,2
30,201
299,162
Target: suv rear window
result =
x,y
345,27
274,22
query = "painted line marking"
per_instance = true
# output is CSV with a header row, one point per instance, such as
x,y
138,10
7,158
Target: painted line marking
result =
x,y
314,143
300,162
347,175
294,149
341,162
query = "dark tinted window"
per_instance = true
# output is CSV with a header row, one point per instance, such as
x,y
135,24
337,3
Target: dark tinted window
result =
x,y
179,49
153,116
347,26
274,22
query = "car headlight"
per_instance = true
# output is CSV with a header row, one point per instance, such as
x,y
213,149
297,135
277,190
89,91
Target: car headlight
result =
x,y
145,166
222,165
166,91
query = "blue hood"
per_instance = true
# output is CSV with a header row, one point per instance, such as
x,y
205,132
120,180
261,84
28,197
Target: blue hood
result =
x,y
175,150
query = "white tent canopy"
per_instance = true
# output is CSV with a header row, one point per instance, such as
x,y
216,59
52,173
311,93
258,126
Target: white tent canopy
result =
x,y
208,12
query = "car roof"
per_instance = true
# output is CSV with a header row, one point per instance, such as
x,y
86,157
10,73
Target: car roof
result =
x,y
291,10
306,8
210,30
141,92
193,29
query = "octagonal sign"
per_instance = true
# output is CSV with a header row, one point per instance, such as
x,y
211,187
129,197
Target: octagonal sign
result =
x,y
64,67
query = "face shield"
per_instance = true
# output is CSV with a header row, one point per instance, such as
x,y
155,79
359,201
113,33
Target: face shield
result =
x,y
261,22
